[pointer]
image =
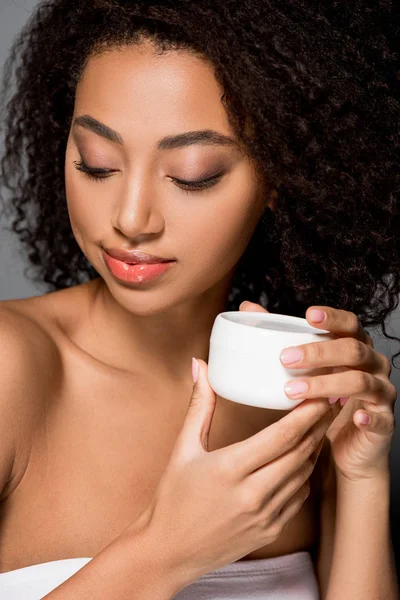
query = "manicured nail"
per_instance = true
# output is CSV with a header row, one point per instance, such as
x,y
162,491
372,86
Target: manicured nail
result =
x,y
195,369
291,355
292,388
343,400
333,399
317,315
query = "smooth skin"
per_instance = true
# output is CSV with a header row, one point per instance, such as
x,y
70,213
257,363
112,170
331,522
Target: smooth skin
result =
x,y
149,335
361,376
232,500
145,98
118,359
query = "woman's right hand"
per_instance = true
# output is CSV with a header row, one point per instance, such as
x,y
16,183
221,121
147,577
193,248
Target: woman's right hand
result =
x,y
213,508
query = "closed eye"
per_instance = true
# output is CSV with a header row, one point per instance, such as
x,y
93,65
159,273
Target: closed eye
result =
x,y
99,174
201,184
95,173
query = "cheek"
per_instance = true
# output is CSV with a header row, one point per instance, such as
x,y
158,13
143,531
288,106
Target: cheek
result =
x,y
233,235
218,235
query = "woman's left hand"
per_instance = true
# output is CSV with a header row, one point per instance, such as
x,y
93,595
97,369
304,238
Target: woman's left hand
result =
x,y
360,382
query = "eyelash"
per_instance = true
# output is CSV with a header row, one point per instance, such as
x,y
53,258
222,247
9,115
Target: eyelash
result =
x,y
98,174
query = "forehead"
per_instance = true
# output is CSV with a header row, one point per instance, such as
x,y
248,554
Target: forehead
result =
x,y
141,93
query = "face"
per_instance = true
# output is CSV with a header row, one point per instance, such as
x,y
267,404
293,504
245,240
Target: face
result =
x,y
142,194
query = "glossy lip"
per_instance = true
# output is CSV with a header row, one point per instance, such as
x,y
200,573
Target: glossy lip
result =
x,y
135,257
147,278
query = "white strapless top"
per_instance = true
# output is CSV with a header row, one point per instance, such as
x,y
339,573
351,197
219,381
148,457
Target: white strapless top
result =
x,y
287,577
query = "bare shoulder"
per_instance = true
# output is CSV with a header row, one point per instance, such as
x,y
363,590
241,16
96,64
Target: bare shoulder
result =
x,y
29,367
26,341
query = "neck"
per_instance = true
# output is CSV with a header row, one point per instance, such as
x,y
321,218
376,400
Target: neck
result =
x,y
137,338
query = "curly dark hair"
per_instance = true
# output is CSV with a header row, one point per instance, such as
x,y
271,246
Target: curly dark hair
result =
x,y
319,83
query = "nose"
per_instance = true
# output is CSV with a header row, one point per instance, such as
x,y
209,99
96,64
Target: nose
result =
x,y
136,211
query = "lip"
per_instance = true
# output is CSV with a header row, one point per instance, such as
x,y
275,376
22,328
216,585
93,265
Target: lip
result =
x,y
135,257
134,274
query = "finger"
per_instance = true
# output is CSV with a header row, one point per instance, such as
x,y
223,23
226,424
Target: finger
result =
x,y
302,456
347,383
276,439
341,322
382,423
251,307
299,484
291,507
347,352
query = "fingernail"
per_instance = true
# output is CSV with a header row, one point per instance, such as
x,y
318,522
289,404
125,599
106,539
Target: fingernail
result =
x,y
365,419
195,369
292,388
342,401
317,315
291,355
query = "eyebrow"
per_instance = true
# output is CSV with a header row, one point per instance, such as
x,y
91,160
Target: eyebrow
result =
x,y
204,136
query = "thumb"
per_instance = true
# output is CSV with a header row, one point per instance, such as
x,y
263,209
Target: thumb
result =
x,y
380,422
248,306
196,427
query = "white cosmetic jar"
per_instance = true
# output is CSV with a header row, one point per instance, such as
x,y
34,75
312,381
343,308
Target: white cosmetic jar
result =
x,y
244,363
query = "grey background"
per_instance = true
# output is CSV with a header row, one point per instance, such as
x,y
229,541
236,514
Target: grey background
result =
x,y
14,284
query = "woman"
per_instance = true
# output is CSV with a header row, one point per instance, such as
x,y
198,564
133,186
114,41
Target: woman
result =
x,y
251,148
